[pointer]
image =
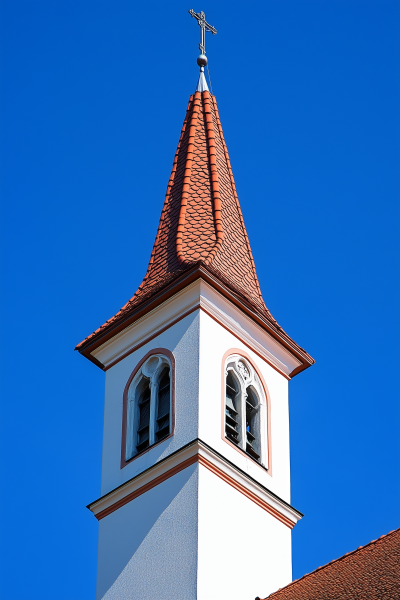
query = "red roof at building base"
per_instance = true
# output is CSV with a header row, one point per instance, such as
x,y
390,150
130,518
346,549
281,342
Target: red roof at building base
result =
x,y
371,572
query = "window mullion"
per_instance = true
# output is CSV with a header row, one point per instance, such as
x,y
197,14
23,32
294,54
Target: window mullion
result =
x,y
243,416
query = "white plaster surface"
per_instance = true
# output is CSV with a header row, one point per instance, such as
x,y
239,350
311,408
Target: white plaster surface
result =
x,y
194,536
182,339
215,341
243,551
148,548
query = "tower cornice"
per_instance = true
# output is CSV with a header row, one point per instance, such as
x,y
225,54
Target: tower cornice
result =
x,y
199,272
194,452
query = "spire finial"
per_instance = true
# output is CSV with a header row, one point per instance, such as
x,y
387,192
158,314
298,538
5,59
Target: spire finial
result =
x,y
204,26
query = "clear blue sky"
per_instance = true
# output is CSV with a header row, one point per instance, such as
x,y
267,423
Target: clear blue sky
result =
x,y
93,99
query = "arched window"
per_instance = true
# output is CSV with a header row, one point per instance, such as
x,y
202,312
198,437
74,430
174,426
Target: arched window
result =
x,y
148,406
245,409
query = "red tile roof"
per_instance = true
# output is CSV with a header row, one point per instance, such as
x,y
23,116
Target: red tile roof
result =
x,y
201,222
371,572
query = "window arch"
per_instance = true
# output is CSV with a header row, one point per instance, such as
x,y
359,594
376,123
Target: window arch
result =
x,y
147,411
245,409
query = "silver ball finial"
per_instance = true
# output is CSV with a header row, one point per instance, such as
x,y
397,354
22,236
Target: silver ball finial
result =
x,y
202,60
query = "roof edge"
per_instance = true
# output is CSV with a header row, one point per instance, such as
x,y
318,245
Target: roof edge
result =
x,y
335,560
199,271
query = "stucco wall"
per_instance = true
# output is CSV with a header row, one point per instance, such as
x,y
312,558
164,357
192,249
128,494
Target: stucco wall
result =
x,y
182,339
244,552
148,548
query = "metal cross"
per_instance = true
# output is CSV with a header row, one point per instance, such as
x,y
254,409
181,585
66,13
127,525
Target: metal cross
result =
x,y
204,26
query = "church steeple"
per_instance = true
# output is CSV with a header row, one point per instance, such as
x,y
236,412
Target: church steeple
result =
x,y
195,485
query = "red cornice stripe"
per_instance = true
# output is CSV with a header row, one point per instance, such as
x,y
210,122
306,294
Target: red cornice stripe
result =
x,y
185,314
211,467
243,490
198,272
271,364
145,488
151,337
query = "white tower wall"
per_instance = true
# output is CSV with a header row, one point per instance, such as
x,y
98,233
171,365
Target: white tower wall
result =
x,y
148,547
243,551
194,517
182,339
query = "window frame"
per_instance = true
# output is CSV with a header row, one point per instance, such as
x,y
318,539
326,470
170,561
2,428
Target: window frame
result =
x,y
255,381
145,369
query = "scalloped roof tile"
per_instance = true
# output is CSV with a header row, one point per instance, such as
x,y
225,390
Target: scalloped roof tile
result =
x,y
201,221
372,572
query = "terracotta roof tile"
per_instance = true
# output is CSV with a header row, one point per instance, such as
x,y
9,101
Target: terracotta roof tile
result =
x,y
201,221
371,572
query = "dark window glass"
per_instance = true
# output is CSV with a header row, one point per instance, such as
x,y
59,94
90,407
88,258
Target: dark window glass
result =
x,y
163,405
252,433
144,419
231,409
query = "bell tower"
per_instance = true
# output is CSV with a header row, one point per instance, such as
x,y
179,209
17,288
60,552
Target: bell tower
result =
x,y
195,486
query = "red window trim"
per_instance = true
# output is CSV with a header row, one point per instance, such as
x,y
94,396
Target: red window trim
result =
x,y
171,357
244,354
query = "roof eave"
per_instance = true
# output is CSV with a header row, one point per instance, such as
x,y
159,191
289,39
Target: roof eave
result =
x,y
199,271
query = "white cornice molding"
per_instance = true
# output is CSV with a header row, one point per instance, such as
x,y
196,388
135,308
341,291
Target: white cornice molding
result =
x,y
245,483
196,452
199,294
147,326
246,329
242,334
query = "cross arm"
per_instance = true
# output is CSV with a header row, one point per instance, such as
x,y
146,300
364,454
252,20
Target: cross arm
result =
x,y
202,22
210,28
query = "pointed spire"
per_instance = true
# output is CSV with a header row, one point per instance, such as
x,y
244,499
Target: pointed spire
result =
x,y
201,221
201,225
